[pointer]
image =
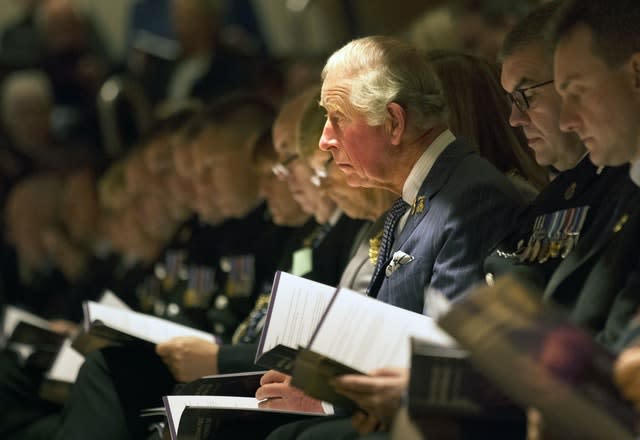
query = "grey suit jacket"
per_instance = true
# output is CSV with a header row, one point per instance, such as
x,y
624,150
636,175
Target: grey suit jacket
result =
x,y
468,206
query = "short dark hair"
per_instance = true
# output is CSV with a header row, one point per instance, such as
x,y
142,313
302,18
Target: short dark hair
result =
x,y
531,29
615,26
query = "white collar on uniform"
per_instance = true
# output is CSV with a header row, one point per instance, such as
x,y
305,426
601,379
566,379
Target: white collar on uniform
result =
x,y
423,166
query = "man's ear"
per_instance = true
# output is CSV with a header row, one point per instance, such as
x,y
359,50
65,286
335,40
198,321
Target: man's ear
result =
x,y
396,124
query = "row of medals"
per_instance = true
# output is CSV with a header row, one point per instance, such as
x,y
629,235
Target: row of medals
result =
x,y
540,249
543,245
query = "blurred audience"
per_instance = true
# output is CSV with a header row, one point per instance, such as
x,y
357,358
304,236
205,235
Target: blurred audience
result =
x,y
482,24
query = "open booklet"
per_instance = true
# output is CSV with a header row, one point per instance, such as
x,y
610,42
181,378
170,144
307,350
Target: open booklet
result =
x,y
295,308
539,359
30,336
64,369
358,334
108,325
205,417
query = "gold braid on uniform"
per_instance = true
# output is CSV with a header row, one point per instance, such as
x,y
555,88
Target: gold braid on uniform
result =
x,y
374,247
250,321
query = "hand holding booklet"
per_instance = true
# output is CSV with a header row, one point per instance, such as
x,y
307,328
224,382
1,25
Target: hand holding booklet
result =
x,y
224,401
358,334
317,332
113,325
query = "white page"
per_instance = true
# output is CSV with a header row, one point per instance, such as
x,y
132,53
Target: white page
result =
x,y
14,315
366,334
175,406
295,308
109,298
66,365
145,327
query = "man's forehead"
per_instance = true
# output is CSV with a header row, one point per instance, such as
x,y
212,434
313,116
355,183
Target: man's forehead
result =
x,y
526,66
572,55
335,89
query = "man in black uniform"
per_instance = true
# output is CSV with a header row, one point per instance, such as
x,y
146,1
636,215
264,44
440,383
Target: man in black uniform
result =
x,y
561,237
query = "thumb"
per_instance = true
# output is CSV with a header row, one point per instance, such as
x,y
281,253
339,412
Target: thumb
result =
x,y
163,349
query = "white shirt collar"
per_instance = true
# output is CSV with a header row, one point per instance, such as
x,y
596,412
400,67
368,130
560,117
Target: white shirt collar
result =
x,y
335,217
423,166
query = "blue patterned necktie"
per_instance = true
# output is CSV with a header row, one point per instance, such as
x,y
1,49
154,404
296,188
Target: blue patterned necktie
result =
x,y
393,215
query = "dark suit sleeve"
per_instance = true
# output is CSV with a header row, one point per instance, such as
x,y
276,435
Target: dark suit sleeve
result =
x,y
237,358
477,222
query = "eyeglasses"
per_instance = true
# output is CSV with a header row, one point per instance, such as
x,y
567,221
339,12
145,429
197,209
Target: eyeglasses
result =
x,y
280,169
519,98
320,173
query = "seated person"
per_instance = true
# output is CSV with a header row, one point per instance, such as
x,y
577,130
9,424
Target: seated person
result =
x,y
595,51
408,149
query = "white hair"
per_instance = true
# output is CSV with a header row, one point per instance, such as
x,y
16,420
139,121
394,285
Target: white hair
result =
x,y
381,70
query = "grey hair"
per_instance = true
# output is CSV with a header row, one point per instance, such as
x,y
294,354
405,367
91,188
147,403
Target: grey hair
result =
x,y
384,69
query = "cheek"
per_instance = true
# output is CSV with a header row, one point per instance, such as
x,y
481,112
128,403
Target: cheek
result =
x,y
362,151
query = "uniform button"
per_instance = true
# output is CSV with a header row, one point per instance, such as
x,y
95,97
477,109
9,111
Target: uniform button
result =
x,y
173,309
221,302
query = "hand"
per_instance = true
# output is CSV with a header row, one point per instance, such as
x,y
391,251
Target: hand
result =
x,y
626,374
276,388
189,357
378,393
365,423
64,327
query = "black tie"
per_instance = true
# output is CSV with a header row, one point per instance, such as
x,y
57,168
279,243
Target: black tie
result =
x,y
393,215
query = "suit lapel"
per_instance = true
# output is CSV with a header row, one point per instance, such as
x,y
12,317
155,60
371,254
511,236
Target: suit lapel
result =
x,y
438,176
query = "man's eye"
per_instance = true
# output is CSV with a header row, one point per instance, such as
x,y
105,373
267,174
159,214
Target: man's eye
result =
x,y
531,96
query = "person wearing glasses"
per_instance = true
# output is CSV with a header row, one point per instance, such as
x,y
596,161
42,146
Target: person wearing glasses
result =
x,y
571,214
